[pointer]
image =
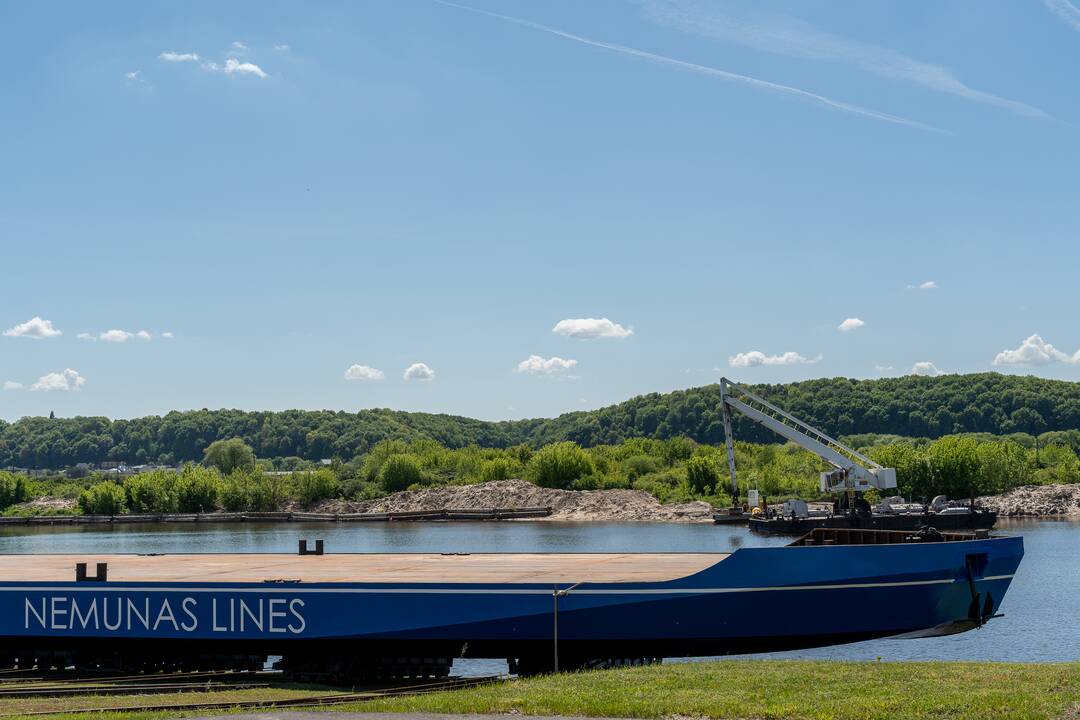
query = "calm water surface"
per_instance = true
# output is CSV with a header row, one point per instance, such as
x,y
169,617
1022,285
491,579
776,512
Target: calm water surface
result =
x,y
1041,608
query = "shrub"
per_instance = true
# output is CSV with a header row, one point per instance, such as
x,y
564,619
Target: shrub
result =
x,y
399,472
237,491
559,465
13,489
198,489
701,473
311,487
379,454
269,492
105,498
498,469
637,465
151,492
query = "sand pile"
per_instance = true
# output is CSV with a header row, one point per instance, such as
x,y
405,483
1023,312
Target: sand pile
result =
x,y
628,505
1035,501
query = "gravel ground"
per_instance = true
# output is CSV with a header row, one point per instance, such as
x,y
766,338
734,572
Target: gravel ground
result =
x,y
617,505
1036,501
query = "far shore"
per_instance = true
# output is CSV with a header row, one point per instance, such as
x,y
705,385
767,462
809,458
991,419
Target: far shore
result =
x,y
512,500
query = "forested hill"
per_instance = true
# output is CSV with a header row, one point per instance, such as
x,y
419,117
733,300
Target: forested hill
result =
x,y
913,406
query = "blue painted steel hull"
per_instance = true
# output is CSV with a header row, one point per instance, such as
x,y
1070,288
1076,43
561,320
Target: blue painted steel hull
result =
x,y
755,599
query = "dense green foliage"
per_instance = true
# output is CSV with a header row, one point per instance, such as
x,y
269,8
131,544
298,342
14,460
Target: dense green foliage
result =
x,y
671,470
559,465
104,498
905,406
13,489
229,455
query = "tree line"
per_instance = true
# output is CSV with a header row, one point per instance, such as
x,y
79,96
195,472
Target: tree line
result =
x,y
231,477
918,407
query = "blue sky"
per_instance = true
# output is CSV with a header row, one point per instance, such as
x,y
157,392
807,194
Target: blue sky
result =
x,y
698,188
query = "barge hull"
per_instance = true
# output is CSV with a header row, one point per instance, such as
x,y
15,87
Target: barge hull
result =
x,y
756,599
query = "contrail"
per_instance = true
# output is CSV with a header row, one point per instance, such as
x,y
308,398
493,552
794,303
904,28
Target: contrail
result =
x,y
703,69
1066,11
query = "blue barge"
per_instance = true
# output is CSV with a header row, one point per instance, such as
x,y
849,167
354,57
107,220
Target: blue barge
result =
x,y
364,614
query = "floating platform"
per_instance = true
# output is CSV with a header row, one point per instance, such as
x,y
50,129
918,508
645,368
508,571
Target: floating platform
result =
x,y
780,525
353,612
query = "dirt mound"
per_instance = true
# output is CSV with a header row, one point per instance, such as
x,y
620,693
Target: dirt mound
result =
x,y
627,505
1035,501
48,505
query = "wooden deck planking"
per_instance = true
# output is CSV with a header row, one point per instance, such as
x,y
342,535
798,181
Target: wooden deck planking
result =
x,y
380,568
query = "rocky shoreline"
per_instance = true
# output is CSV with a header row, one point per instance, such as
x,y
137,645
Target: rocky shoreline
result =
x,y
1035,501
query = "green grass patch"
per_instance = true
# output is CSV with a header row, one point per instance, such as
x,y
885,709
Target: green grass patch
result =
x,y
742,689
775,689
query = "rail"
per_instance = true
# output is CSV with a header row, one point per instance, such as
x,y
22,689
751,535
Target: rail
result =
x,y
340,698
856,536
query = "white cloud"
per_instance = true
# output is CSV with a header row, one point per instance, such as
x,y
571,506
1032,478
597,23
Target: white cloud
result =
x,y
234,66
1035,351
35,328
419,371
884,368
928,285
12,385
1066,11
282,48
135,78
850,324
167,335
701,69
179,57
363,372
925,368
237,45
591,328
67,380
756,357
537,365
785,35
116,336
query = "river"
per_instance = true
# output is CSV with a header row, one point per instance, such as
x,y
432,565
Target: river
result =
x,y
1041,607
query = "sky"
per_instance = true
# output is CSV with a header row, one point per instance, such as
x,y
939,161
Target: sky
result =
x,y
508,209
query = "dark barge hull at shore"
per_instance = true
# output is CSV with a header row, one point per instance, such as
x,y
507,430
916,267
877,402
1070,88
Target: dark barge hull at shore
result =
x,y
980,520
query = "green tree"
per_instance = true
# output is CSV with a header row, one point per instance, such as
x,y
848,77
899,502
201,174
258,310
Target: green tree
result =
x,y
13,489
104,498
559,465
151,492
229,455
313,486
198,489
702,474
399,472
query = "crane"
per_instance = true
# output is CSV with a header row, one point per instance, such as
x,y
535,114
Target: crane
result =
x,y
852,471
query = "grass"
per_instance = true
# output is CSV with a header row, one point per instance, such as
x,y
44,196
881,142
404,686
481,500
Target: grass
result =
x,y
778,689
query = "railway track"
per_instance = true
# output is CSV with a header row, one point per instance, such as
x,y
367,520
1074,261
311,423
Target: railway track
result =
x,y
329,699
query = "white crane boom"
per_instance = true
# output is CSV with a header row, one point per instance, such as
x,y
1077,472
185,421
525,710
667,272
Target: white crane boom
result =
x,y
854,471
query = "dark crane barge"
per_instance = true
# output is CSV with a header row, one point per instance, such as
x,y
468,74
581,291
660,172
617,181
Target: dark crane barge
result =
x,y
852,474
